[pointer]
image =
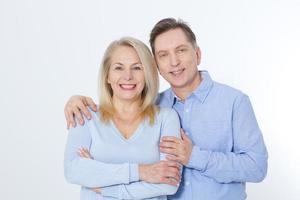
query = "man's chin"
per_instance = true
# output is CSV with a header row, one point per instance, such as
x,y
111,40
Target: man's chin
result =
x,y
177,85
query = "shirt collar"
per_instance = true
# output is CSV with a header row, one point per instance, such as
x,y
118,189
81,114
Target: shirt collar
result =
x,y
200,92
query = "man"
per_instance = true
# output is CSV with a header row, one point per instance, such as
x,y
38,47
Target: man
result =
x,y
222,147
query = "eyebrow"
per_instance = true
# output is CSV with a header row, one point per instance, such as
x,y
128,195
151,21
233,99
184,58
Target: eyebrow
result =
x,y
118,63
179,46
182,45
139,63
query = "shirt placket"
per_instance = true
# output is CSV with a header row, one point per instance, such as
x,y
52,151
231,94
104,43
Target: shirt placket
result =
x,y
186,122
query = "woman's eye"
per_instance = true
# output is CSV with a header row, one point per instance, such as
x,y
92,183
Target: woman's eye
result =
x,y
118,68
137,67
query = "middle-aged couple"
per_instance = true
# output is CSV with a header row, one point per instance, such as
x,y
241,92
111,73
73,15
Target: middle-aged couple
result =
x,y
200,141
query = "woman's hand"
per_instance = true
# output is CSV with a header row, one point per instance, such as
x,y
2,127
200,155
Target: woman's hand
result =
x,y
84,153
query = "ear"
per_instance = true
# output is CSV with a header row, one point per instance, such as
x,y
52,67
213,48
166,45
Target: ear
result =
x,y
198,54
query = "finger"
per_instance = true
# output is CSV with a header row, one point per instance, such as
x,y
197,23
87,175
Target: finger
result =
x,y
173,164
173,158
170,139
168,144
169,151
85,155
172,172
82,153
86,151
183,135
84,109
170,181
90,103
79,152
97,190
69,118
174,175
78,115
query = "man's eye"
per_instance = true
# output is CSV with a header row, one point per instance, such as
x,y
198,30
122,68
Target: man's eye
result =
x,y
181,50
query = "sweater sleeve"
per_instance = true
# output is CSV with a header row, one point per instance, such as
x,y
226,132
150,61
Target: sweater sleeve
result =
x,y
141,189
247,162
89,172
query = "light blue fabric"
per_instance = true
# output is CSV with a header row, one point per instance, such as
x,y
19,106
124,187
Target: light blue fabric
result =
x,y
116,159
228,145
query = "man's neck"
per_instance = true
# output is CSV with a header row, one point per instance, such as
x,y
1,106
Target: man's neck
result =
x,y
184,92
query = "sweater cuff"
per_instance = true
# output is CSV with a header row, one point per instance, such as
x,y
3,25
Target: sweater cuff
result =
x,y
198,159
111,191
133,172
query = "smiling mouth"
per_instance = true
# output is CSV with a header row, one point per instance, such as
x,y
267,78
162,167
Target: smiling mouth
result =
x,y
127,86
177,72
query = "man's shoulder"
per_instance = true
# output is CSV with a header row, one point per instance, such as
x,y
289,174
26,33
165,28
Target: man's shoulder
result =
x,y
164,98
165,93
227,90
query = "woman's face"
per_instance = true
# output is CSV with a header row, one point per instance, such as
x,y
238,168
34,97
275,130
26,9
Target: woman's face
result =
x,y
126,74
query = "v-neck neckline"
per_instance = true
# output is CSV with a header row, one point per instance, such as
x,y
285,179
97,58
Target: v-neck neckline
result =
x,y
134,135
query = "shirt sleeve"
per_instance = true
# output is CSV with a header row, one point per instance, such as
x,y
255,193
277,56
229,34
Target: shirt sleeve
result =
x,y
248,160
141,189
88,172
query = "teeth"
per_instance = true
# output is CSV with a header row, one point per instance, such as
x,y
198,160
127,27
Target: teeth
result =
x,y
177,72
127,86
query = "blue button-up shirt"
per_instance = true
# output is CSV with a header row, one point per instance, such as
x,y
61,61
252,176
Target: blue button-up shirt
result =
x,y
228,150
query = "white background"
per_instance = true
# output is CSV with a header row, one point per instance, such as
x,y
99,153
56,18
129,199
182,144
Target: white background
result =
x,y
50,50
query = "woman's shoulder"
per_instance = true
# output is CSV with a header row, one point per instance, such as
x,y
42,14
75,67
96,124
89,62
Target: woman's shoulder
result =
x,y
95,118
165,112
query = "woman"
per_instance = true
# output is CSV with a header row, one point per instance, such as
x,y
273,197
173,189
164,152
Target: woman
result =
x,y
107,155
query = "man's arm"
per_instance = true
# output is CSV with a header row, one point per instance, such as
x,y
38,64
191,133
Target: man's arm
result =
x,y
246,163
75,107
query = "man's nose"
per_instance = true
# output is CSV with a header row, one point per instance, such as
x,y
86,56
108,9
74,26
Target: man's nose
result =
x,y
174,60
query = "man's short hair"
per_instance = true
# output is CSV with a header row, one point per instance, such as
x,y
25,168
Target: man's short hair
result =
x,y
167,24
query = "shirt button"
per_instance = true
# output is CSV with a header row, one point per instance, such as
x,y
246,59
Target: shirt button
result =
x,y
186,110
187,183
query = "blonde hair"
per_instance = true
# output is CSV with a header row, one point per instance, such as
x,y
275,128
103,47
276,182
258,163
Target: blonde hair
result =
x,y
149,93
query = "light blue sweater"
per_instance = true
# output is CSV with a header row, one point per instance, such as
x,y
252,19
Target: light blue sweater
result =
x,y
115,164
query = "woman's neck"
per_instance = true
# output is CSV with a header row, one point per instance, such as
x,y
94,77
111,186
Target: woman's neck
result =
x,y
127,109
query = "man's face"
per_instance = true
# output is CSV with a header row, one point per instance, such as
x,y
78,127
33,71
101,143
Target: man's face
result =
x,y
177,59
